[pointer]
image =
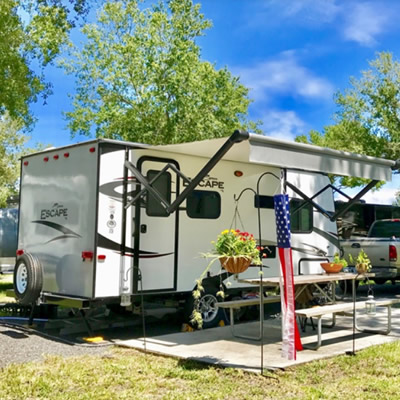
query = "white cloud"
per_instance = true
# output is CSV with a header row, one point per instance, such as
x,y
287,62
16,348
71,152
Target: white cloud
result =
x,y
364,22
319,11
381,196
283,124
354,20
284,75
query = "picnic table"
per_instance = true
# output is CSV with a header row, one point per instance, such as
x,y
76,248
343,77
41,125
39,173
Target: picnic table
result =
x,y
316,282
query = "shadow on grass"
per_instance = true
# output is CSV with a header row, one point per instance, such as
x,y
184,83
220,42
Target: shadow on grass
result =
x,y
200,364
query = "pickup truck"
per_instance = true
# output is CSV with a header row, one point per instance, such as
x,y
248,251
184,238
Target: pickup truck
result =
x,y
382,246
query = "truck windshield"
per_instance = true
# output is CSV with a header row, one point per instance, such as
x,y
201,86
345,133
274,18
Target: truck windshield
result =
x,y
385,229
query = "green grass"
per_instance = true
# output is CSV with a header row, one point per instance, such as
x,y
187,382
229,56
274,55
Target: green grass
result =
x,y
5,284
129,374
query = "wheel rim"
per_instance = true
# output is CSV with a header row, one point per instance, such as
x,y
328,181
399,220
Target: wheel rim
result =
x,y
22,278
208,307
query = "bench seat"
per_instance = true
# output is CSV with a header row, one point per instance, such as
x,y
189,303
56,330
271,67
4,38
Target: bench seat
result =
x,y
236,304
319,311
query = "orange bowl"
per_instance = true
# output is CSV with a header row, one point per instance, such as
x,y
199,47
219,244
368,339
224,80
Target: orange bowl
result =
x,y
331,268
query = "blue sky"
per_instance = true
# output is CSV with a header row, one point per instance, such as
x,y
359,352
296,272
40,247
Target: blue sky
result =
x,y
293,55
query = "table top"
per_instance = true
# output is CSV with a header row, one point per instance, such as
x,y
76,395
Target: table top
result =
x,y
305,279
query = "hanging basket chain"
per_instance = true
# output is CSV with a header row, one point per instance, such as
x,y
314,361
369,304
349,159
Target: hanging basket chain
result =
x,y
236,217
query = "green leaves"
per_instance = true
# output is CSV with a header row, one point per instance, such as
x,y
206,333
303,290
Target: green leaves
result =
x,y
31,33
368,118
11,149
140,77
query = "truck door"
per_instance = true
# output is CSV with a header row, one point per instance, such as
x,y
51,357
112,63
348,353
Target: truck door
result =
x,y
155,232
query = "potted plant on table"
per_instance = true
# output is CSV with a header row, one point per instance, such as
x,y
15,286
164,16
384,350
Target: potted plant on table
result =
x,y
235,250
361,262
335,266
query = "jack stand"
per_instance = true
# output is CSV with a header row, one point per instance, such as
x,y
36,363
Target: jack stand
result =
x,y
88,327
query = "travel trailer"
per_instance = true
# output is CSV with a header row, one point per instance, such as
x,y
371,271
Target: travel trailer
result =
x,y
107,221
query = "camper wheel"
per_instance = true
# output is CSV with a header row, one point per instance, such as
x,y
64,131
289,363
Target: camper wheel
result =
x,y
28,279
211,314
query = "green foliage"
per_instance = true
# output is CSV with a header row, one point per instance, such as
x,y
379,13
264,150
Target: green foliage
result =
x,y
31,33
368,119
140,77
11,149
5,284
361,262
338,260
233,243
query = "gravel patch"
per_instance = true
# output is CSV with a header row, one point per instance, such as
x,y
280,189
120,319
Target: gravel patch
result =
x,y
20,345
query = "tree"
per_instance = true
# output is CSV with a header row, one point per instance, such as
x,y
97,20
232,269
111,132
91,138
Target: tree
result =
x,y
12,147
140,78
31,34
368,119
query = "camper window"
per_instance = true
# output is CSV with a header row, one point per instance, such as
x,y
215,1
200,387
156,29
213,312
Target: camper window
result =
x,y
203,204
163,185
302,220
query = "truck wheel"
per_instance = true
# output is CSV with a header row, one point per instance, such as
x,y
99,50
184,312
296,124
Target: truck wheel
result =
x,y
380,281
28,279
207,307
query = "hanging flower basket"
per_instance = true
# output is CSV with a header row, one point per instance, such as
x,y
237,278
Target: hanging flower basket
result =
x,y
235,265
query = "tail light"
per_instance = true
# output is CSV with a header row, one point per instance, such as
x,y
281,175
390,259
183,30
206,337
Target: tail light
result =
x,y
392,253
87,255
20,252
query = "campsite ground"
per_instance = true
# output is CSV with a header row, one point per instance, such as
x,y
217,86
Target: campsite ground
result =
x,y
129,374
42,368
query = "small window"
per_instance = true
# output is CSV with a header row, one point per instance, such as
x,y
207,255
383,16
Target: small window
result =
x,y
301,221
163,185
263,201
203,204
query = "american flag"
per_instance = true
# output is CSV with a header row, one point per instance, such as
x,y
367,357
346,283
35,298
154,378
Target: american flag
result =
x,y
290,332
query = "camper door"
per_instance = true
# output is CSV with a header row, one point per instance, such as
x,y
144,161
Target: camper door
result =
x,y
156,231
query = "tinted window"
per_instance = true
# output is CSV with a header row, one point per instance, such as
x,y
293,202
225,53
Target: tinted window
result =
x,y
203,204
301,220
163,185
385,229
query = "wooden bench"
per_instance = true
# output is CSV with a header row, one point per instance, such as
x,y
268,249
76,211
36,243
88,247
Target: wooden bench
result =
x,y
237,304
319,311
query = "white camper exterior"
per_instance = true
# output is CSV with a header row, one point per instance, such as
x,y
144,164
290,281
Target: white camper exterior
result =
x,y
80,238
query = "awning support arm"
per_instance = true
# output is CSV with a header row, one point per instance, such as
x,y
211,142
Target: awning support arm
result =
x,y
236,137
357,197
330,215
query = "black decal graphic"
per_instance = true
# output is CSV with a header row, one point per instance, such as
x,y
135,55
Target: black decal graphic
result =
x,y
67,233
111,245
110,188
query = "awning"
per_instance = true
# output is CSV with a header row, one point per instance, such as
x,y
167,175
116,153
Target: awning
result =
x,y
264,150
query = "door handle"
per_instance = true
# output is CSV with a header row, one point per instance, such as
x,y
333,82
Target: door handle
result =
x,y
356,245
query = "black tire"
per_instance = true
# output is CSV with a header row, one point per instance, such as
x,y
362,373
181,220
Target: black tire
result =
x,y
28,279
211,314
380,281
